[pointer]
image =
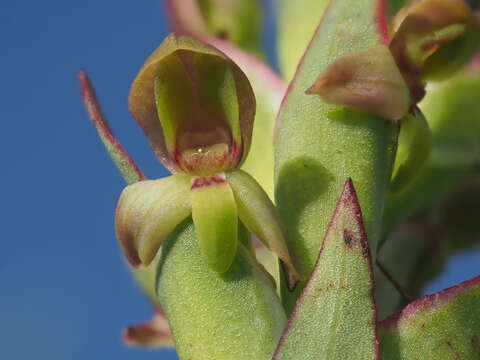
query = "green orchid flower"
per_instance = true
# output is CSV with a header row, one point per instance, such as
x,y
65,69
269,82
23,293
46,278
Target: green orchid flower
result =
x,y
197,109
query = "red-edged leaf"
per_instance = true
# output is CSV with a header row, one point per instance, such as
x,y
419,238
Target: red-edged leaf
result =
x,y
335,317
445,325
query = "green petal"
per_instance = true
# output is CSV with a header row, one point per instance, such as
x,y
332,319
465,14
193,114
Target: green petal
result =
x,y
216,221
259,215
147,212
335,317
367,80
414,146
195,111
125,164
442,326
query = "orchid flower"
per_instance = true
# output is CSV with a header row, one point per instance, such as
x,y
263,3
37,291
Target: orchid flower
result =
x,y
197,109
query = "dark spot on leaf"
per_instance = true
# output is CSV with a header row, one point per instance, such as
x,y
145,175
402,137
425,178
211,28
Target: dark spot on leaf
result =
x,y
453,349
348,238
475,343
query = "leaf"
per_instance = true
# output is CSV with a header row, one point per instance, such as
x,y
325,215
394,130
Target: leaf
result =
x,y
147,212
235,316
335,317
442,326
179,53
214,214
319,145
127,167
259,215
153,334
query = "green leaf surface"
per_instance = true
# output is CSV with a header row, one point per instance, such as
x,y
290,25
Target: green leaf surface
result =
x,y
147,212
127,167
335,317
259,215
232,316
215,216
319,145
296,24
442,326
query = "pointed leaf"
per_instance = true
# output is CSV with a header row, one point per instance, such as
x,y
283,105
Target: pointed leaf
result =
x,y
335,317
367,80
215,217
259,215
127,167
147,212
153,334
236,315
319,145
442,326
190,123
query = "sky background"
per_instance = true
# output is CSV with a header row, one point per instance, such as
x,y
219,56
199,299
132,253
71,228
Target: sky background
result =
x,y
64,290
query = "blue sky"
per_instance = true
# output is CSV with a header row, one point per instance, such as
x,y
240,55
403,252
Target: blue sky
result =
x,y
65,292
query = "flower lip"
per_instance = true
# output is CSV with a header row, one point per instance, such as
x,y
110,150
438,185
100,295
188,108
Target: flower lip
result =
x,y
195,106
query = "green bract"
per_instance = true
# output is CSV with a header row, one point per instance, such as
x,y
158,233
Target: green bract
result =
x,y
196,108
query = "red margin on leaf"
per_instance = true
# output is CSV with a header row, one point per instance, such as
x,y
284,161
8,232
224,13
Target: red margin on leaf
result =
x,y
347,198
429,302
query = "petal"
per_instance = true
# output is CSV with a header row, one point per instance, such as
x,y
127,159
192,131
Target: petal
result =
x,y
147,212
335,317
367,80
259,215
153,334
269,90
414,144
127,167
216,221
185,50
